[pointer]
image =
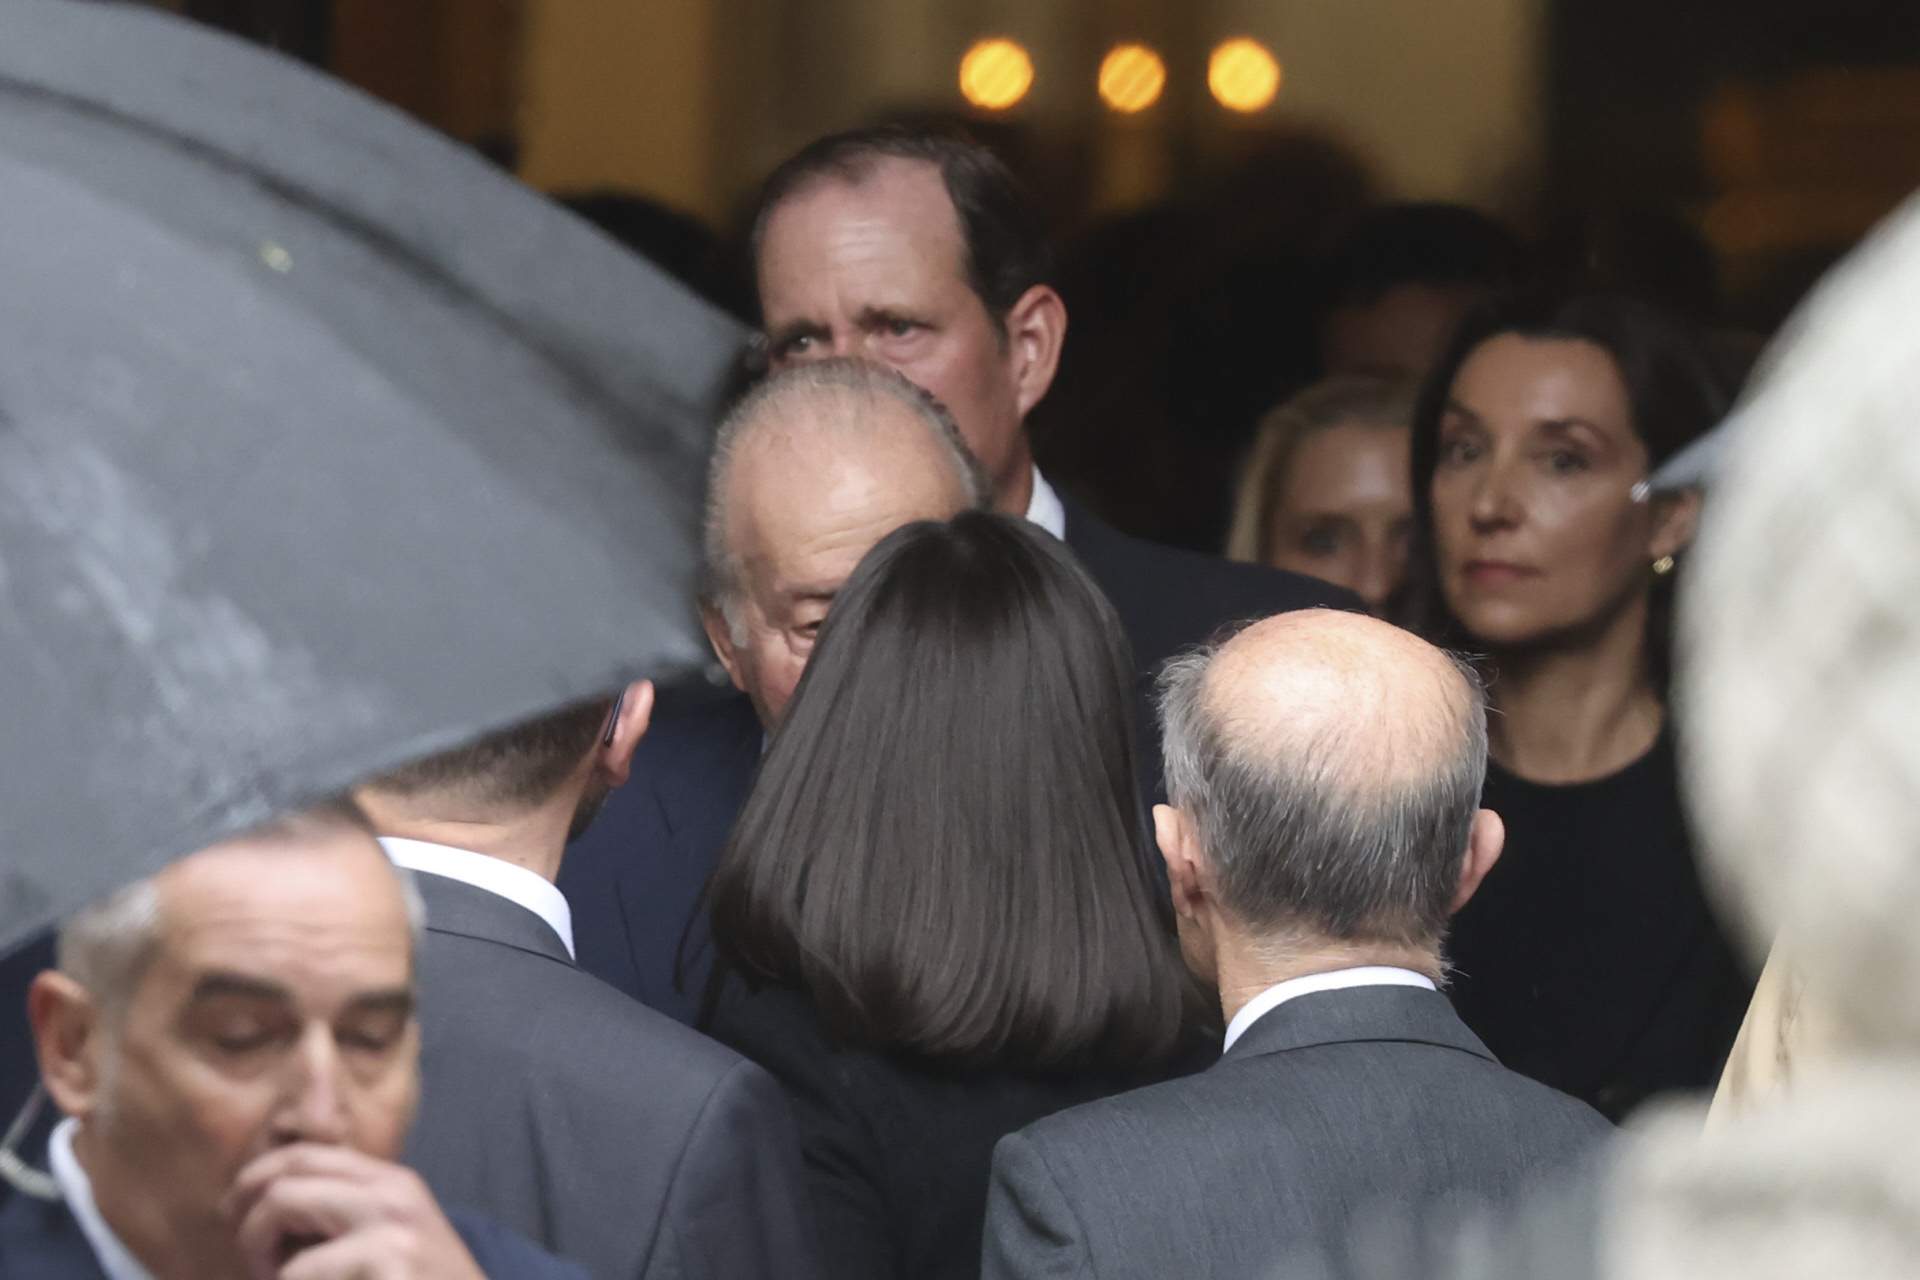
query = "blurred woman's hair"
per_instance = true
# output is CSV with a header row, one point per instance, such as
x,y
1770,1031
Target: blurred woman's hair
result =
x,y
1675,392
1359,399
943,846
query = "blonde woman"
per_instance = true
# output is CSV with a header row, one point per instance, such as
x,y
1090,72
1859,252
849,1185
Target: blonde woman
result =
x,y
1327,488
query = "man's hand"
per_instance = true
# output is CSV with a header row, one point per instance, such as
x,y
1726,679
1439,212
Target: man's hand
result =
x,y
311,1212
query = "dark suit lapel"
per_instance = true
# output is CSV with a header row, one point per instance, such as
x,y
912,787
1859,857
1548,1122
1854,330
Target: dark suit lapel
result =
x,y
42,1238
1359,1014
459,908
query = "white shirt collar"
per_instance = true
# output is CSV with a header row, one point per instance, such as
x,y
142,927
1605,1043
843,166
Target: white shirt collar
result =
x,y
1368,975
1045,509
516,884
77,1190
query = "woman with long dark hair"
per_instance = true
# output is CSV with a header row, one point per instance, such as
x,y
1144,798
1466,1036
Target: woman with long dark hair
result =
x,y
934,920
1589,958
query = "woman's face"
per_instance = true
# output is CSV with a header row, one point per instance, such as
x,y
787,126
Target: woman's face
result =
x,y
1345,509
1535,528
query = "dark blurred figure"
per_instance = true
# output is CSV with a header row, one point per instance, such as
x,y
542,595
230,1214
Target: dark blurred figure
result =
x,y
933,920
677,243
597,1127
1327,488
1589,959
1402,280
1650,254
1325,772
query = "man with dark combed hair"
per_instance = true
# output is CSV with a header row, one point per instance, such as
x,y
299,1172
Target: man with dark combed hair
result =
x,y
1325,774
606,1131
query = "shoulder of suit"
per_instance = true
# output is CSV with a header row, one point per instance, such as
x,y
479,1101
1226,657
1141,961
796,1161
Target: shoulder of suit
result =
x,y
691,729
1257,588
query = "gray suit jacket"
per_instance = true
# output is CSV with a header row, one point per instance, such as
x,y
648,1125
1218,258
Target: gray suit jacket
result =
x,y
588,1122
1373,1100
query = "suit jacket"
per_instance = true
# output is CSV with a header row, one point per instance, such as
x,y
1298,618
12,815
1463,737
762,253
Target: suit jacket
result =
x,y
610,1134
634,877
42,1240
897,1149
1333,1105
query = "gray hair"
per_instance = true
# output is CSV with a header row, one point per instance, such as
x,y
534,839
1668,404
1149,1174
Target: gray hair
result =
x,y
1297,846
761,408
107,945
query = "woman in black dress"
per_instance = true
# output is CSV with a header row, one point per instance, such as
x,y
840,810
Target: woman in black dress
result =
x,y
1589,959
934,920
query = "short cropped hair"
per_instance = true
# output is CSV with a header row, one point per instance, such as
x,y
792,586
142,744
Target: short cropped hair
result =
x,y
514,768
943,848
1003,236
107,945
1301,849
763,407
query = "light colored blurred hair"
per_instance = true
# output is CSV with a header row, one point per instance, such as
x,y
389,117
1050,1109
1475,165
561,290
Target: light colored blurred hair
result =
x,y
800,389
1801,635
1361,399
107,945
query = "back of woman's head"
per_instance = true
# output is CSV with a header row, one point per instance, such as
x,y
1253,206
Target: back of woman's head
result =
x,y
942,846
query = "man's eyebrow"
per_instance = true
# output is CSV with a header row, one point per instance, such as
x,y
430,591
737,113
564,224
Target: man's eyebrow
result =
x,y
395,1000
223,983
794,329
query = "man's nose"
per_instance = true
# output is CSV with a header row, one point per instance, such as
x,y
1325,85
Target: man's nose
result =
x,y
314,1105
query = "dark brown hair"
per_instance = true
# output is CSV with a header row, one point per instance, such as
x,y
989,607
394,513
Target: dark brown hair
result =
x,y
942,849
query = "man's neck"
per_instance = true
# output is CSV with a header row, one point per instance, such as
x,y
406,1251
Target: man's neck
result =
x,y
1013,493
535,840
168,1250
1248,966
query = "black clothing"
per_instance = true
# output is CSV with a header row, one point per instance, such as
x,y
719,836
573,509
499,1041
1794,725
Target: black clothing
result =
x,y
897,1152
1589,959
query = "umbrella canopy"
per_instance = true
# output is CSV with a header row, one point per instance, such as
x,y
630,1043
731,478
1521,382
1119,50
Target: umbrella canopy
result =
x,y
323,445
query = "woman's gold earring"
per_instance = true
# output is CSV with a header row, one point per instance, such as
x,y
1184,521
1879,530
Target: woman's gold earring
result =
x,y
1663,566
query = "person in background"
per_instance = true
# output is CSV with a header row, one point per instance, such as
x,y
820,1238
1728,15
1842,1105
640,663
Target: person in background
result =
x,y
1404,278
1589,959
595,1126
1325,490
921,250
933,921
1325,773
809,470
233,1043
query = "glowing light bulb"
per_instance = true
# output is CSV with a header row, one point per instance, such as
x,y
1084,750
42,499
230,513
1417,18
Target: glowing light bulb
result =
x,y
1131,78
1243,75
995,74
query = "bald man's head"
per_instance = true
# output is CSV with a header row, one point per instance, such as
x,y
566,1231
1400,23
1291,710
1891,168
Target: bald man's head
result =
x,y
810,470
1330,765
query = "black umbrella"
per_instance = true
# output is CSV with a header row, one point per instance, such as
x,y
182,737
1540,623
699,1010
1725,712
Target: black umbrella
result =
x,y
323,445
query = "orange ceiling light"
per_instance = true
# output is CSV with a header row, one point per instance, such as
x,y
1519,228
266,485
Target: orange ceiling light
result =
x,y
1131,78
1243,75
995,74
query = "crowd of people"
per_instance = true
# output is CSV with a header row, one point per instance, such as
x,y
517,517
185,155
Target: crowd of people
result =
x,y
1038,900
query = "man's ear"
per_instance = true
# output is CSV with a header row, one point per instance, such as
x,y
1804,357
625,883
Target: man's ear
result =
x,y
719,631
1188,876
629,726
1036,331
1676,518
1484,843
67,1039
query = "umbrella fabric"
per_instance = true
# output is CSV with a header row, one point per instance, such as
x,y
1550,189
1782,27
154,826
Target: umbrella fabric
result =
x,y
323,445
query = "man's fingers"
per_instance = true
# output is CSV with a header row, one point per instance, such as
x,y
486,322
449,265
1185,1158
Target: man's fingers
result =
x,y
295,1209
302,1159
365,1255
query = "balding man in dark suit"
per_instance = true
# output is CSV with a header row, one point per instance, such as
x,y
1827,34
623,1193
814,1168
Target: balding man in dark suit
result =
x,y
1325,773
